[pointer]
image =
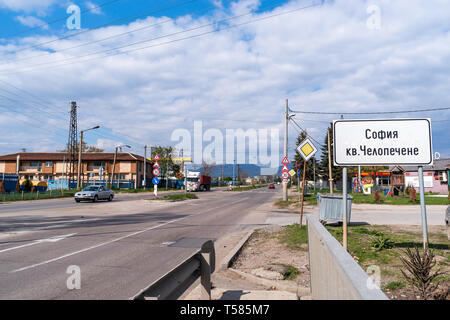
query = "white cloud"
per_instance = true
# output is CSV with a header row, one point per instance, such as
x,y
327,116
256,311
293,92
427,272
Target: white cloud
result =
x,y
31,21
93,8
322,59
26,5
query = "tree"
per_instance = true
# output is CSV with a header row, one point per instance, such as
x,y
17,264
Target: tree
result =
x,y
298,158
208,167
323,164
84,148
167,166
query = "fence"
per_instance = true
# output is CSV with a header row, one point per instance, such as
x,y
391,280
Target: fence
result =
x,y
64,184
35,195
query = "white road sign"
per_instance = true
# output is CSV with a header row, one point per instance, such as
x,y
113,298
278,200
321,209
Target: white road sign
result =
x,y
382,142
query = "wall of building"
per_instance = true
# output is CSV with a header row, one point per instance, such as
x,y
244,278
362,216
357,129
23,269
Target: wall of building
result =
x,y
431,183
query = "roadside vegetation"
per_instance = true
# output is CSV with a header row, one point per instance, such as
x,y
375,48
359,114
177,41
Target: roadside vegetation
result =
x,y
177,197
384,246
246,188
311,199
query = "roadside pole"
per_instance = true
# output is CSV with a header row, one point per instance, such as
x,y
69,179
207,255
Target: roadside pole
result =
x,y
298,180
185,179
286,117
303,193
423,209
344,207
145,166
330,173
359,179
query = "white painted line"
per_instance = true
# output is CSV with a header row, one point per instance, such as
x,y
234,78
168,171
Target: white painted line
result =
x,y
96,246
52,239
115,240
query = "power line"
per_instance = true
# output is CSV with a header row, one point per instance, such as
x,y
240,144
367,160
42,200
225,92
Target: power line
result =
x,y
167,42
378,112
152,10
303,130
113,36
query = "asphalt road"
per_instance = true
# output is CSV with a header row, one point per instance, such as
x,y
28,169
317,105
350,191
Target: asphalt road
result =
x,y
120,246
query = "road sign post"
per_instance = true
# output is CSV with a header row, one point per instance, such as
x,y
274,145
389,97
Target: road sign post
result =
x,y
156,174
381,142
307,150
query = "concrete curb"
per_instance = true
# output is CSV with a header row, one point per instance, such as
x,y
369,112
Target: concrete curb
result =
x,y
231,256
286,286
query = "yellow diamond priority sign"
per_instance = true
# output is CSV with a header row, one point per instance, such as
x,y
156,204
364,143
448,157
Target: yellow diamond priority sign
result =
x,y
306,149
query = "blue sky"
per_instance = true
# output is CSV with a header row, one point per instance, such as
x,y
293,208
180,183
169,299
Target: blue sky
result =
x,y
326,58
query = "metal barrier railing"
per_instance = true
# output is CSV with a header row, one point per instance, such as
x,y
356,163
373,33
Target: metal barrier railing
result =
x,y
175,282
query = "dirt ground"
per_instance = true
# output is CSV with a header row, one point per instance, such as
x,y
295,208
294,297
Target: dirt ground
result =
x,y
264,247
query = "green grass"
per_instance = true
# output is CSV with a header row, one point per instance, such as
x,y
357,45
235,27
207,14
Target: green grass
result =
x,y
393,285
293,271
138,190
18,196
246,188
361,241
311,199
177,197
294,237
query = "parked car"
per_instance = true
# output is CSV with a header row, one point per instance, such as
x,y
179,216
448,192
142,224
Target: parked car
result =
x,y
447,215
271,186
94,193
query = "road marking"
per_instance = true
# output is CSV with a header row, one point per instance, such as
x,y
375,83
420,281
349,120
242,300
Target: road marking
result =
x,y
115,240
96,246
52,239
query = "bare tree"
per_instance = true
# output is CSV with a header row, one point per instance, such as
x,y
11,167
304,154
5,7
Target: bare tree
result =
x,y
208,167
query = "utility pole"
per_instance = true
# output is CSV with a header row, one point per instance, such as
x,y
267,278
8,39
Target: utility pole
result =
x,y
145,166
79,154
113,168
79,160
221,182
234,164
330,173
286,118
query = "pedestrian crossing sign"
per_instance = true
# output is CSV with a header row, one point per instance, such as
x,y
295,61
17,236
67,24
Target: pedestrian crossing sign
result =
x,y
306,149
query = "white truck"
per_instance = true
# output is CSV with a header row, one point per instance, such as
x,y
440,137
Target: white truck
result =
x,y
197,182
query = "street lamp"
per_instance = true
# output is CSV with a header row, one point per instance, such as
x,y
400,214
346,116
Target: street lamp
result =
x,y
79,154
114,163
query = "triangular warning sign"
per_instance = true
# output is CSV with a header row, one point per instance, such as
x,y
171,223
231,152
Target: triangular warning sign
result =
x,y
285,168
285,161
156,165
156,157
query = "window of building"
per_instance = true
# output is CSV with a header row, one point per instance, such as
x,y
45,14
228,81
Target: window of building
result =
x,y
49,164
35,164
99,164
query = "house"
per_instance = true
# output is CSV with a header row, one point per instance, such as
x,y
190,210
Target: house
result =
x,y
435,177
53,166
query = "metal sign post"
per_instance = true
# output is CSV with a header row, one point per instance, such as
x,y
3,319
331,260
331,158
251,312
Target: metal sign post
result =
x,y
306,149
423,209
344,207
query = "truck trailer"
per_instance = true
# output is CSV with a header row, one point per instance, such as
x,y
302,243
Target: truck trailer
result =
x,y
197,182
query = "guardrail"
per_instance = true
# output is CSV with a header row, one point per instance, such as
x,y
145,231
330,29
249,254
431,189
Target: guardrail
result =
x,y
173,284
334,273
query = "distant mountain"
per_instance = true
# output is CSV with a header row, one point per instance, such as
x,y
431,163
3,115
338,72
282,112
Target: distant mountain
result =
x,y
251,170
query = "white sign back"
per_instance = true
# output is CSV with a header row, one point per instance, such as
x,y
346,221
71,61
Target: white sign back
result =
x,y
382,142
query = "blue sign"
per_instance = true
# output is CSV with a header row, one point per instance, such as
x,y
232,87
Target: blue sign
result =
x,y
155,180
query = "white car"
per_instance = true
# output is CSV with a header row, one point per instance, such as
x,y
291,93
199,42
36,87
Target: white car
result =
x,y
94,193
